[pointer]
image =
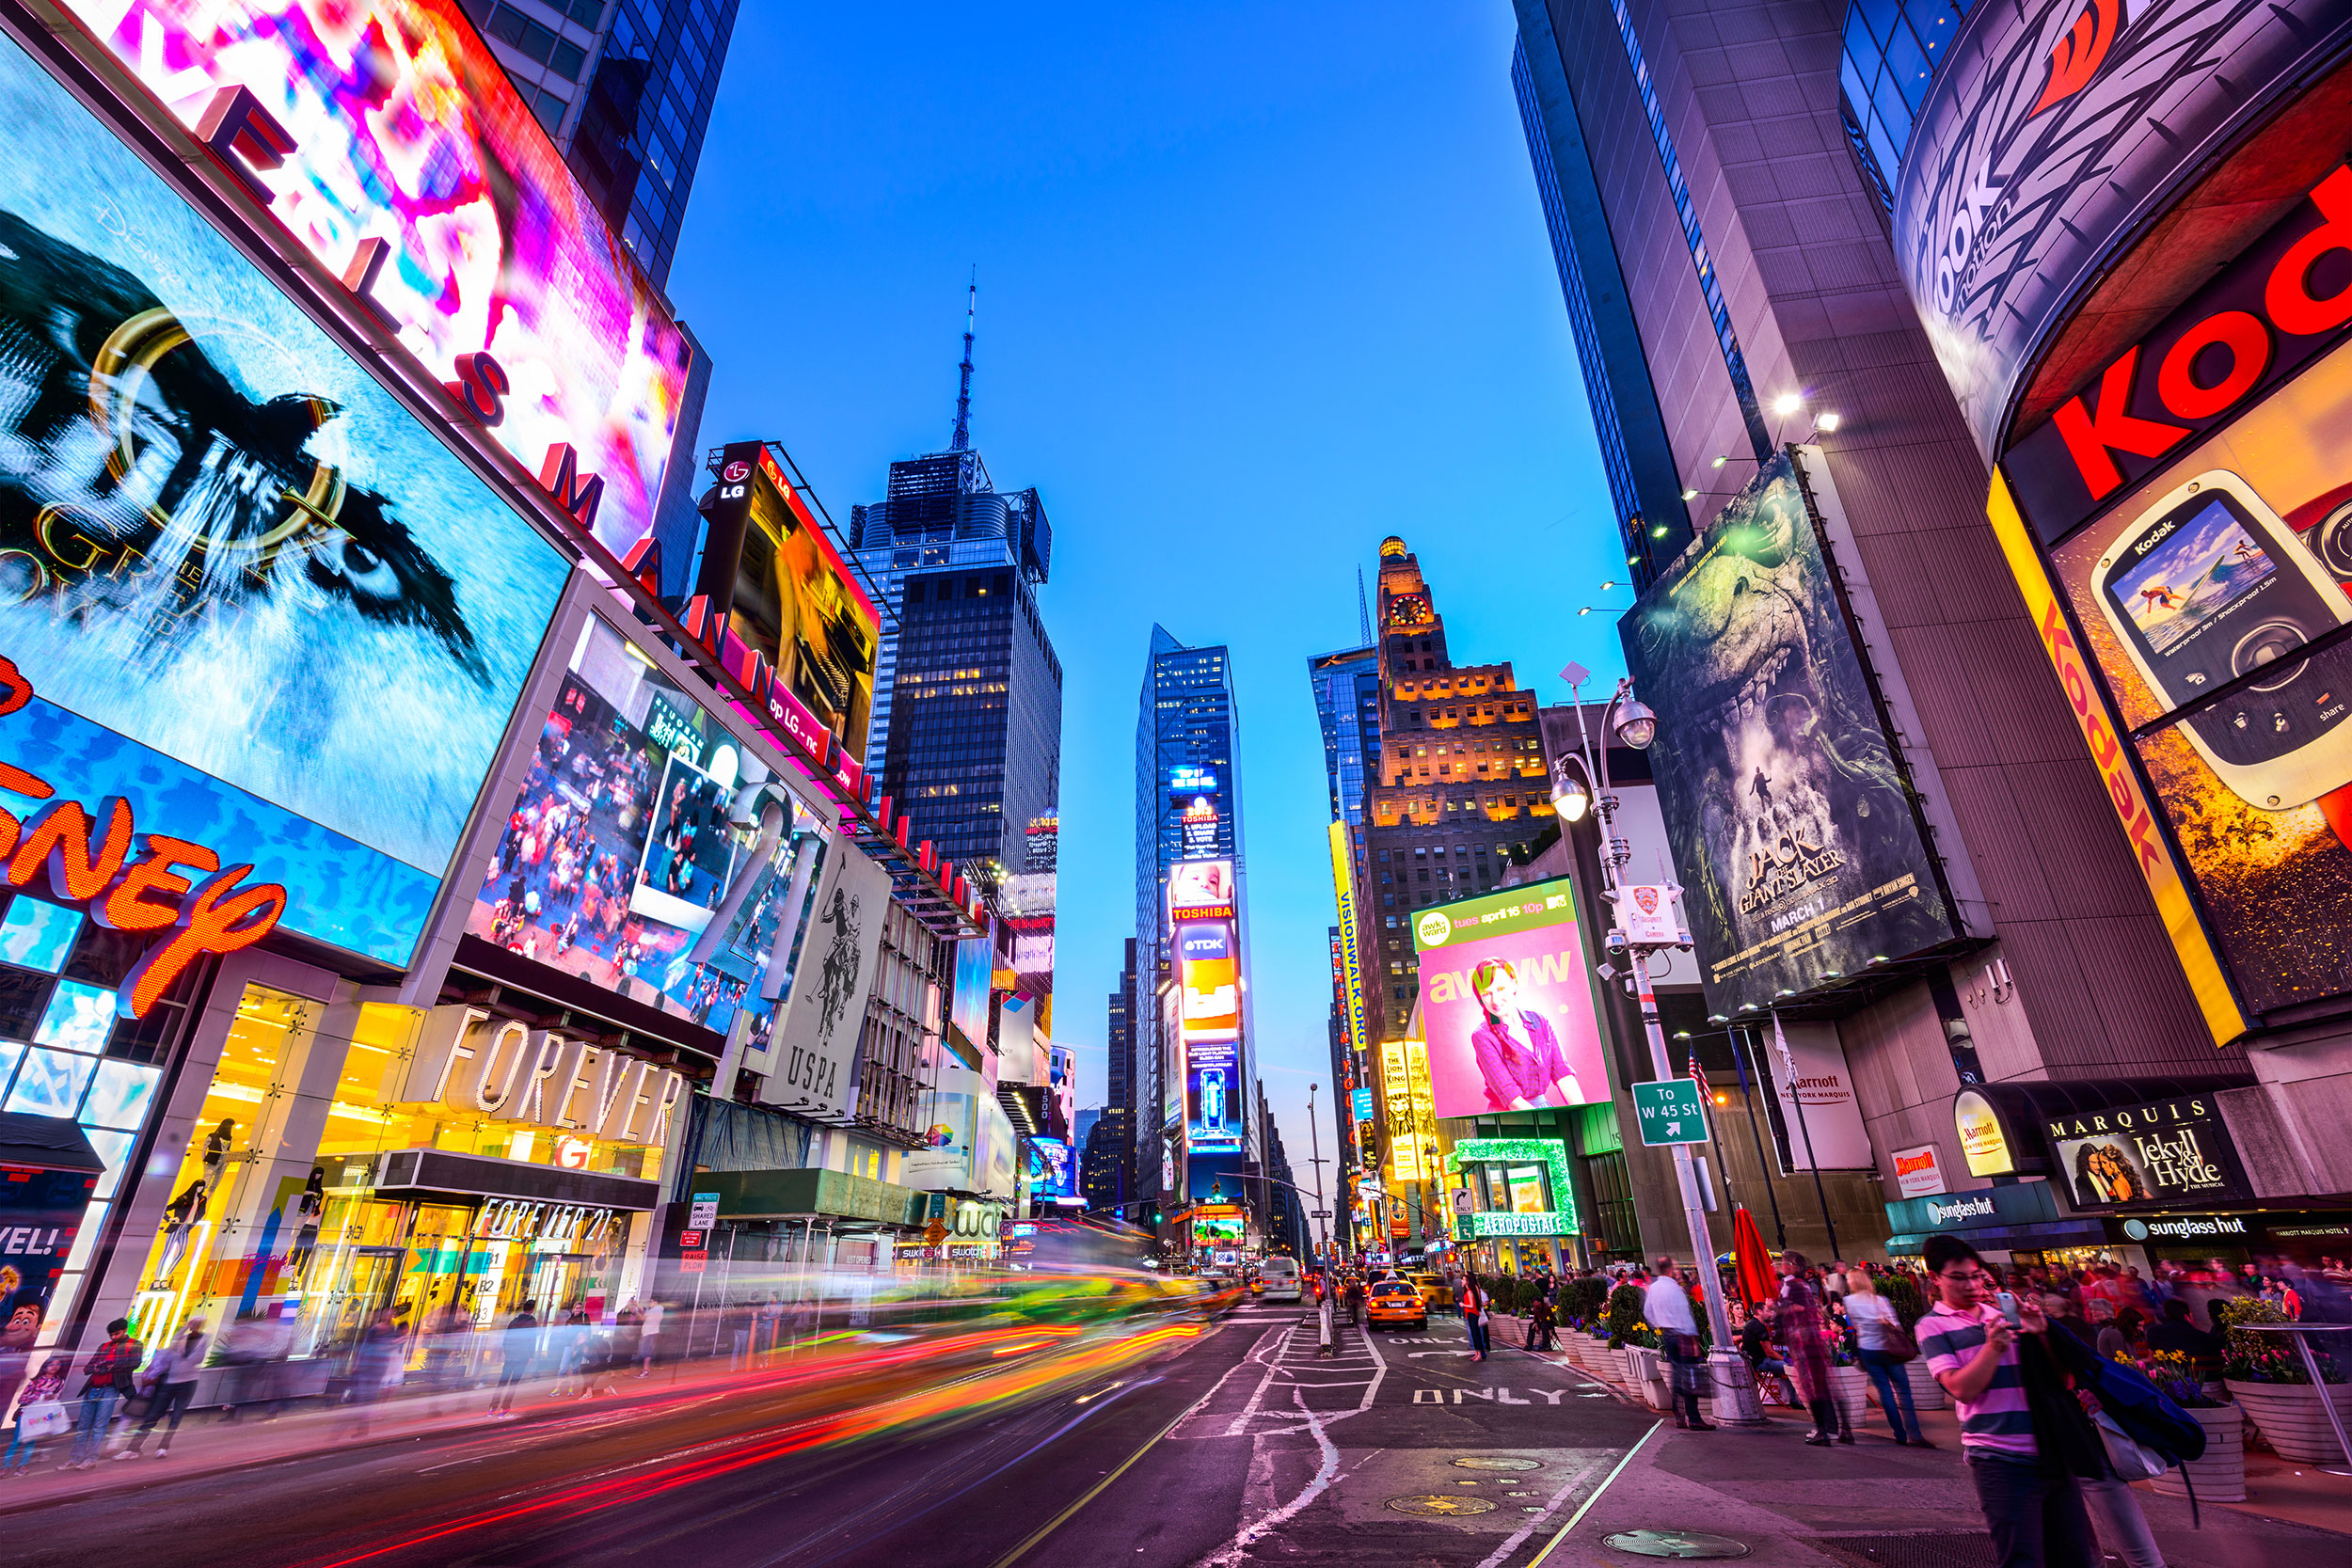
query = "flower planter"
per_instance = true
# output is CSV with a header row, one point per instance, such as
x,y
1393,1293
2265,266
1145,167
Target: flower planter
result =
x,y
2290,1418
1649,1377
1851,1387
1926,1393
2219,1476
1613,1364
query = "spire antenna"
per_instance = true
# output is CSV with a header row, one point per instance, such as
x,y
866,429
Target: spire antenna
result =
x,y
1363,607
963,441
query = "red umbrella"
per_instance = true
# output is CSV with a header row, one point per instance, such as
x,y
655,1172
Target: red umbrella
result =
x,y
1755,1263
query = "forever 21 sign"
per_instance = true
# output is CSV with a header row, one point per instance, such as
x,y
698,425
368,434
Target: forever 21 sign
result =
x,y
2267,314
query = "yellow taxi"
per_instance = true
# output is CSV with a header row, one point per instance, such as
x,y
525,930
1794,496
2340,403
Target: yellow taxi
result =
x,y
1434,1290
1393,1304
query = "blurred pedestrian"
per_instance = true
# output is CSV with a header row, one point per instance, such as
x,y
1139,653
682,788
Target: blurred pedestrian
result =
x,y
1804,1335
520,1348
1540,1323
38,1414
1667,1306
107,1378
170,1383
649,1335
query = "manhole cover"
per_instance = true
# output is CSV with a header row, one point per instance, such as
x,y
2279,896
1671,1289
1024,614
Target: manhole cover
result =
x,y
1439,1505
1495,1461
1675,1542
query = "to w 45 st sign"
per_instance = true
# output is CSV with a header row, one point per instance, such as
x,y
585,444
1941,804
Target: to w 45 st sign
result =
x,y
1670,1111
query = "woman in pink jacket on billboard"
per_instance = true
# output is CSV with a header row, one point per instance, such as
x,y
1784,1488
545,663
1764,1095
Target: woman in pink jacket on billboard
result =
x,y
1517,1054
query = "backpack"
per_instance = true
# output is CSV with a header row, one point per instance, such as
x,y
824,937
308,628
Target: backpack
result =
x,y
2147,1416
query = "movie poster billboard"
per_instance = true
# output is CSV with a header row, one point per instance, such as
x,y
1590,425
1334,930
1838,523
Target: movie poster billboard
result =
x,y
2052,128
258,601
1506,1003
1793,831
2199,614
622,848
389,141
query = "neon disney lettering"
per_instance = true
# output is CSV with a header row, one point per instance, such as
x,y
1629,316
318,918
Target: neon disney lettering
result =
x,y
83,855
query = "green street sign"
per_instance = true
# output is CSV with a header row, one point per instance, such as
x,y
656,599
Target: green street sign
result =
x,y
1670,1112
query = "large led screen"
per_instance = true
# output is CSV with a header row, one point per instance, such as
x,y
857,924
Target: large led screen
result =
x,y
1793,831
1507,1004
401,128
2203,583
799,604
619,856
257,599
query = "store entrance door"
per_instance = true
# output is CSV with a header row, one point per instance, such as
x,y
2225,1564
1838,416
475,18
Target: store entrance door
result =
x,y
369,1277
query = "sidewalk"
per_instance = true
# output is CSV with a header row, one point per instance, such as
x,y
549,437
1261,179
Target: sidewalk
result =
x,y
1876,1502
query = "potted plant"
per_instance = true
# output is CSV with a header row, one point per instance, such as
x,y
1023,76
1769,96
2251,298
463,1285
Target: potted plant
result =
x,y
2219,1476
1849,1385
1902,1292
1627,1328
2266,1375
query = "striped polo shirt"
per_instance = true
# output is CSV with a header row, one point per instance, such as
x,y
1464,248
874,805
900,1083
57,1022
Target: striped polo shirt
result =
x,y
1998,1420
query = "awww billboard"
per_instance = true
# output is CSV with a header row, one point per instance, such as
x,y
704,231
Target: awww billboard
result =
x,y
1792,824
1506,1003
2181,529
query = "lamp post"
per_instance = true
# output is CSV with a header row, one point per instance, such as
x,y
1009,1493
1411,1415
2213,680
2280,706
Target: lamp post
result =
x,y
1637,726
1322,1214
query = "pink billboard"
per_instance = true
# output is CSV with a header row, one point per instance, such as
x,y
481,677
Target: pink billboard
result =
x,y
385,139
1507,1005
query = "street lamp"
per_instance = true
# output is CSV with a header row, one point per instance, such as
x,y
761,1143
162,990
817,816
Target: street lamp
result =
x,y
1635,725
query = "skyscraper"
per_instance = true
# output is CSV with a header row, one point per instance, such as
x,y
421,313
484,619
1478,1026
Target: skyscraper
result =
x,y
1347,705
967,688
624,87
1188,810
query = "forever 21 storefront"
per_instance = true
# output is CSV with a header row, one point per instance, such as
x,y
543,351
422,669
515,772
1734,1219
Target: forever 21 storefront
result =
x,y
328,778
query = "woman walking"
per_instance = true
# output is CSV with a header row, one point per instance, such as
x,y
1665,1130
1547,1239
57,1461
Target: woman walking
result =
x,y
1475,1304
1885,1346
1804,1332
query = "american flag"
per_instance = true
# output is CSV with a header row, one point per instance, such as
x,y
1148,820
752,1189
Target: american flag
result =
x,y
1698,1076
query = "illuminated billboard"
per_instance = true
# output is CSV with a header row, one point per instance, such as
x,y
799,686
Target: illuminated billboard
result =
x,y
1506,1003
1351,953
792,599
1201,887
2200,617
976,972
1795,832
619,853
2050,129
1216,1100
261,603
386,138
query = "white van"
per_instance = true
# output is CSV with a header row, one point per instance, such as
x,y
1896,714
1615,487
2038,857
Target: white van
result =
x,y
1282,1278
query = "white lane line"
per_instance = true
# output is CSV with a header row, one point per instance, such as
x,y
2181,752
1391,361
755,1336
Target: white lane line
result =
x,y
1586,1506
1327,1471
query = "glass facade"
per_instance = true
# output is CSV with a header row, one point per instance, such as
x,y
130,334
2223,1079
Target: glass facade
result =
x,y
1891,52
1347,705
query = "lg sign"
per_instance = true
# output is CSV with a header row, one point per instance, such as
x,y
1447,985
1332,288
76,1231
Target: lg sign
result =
x,y
2266,316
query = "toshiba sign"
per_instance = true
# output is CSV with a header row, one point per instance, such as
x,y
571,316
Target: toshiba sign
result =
x,y
2266,316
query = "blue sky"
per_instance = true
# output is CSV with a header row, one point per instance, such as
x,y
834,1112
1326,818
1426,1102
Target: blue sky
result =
x,y
1260,283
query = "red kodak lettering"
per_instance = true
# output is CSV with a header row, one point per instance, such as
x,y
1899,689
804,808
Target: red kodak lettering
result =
x,y
59,835
214,917
2287,295
2089,436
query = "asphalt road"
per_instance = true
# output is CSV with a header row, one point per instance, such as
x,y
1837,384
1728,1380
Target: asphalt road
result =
x,y
1238,1445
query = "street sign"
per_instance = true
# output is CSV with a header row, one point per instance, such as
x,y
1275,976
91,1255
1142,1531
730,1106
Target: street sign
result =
x,y
704,1215
692,1262
935,1233
1670,1112
1461,1200
691,1240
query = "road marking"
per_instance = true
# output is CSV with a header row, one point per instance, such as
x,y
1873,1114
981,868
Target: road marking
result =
x,y
1315,1422
1091,1493
1582,1508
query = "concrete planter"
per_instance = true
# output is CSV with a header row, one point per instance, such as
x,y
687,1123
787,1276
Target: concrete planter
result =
x,y
1649,1376
1611,1365
2291,1421
1851,1387
1926,1393
2219,1476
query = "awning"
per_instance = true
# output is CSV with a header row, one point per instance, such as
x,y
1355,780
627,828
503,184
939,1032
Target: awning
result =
x,y
2085,1231
820,1194
46,1143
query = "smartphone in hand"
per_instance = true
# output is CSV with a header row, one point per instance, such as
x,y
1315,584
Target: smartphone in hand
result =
x,y
2006,1302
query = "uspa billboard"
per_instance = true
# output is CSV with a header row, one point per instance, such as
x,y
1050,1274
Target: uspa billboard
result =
x,y
2052,129
619,854
2200,617
260,601
1793,830
386,138
1506,1003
